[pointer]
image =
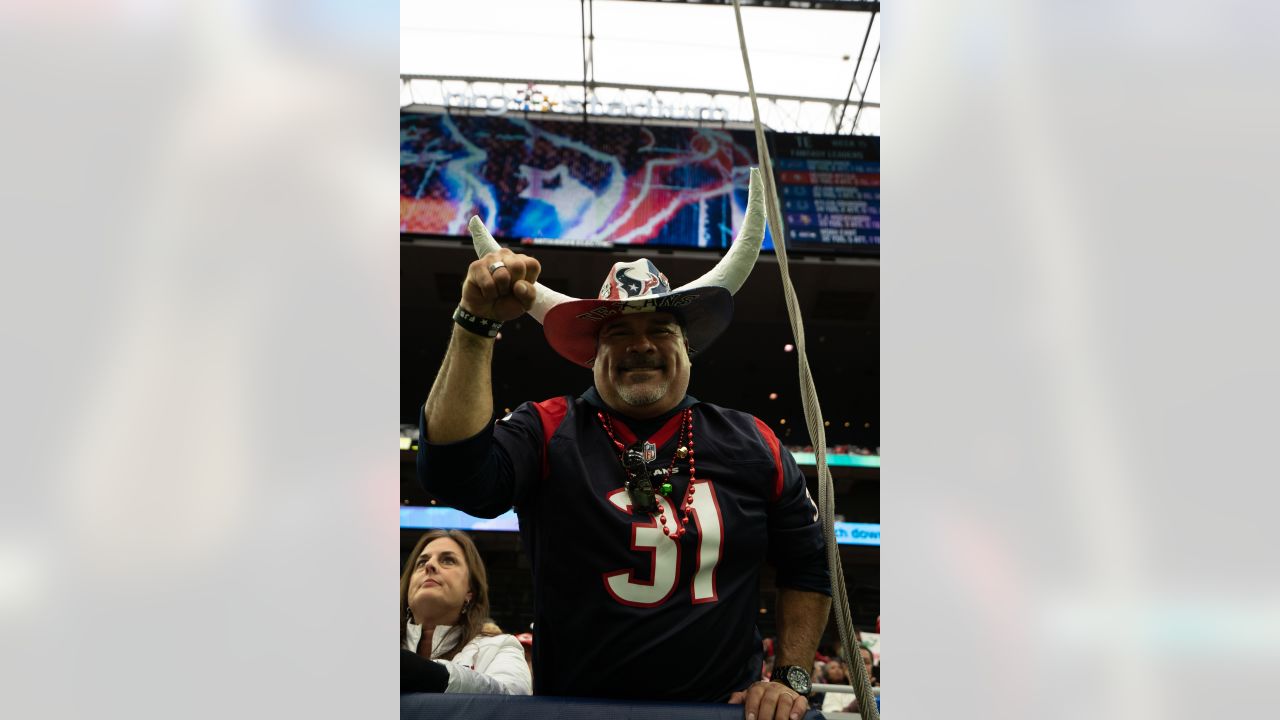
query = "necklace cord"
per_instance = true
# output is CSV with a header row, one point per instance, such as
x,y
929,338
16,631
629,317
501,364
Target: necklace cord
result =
x,y
638,478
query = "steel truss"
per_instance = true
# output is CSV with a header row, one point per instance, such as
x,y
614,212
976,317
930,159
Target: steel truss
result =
x,y
633,103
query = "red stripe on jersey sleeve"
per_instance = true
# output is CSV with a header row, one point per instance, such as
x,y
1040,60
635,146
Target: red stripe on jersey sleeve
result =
x,y
772,441
551,412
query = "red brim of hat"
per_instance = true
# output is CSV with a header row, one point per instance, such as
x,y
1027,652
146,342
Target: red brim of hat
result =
x,y
571,327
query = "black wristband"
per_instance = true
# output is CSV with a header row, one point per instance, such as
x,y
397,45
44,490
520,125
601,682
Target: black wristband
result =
x,y
478,325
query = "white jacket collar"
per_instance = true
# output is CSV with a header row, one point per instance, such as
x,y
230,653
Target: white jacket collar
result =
x,y
413,636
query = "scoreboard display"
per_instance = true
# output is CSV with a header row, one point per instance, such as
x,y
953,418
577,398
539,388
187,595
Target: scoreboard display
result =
x,y
829,186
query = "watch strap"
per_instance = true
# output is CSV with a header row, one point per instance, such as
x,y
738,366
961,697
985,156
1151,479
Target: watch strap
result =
x,y
782,675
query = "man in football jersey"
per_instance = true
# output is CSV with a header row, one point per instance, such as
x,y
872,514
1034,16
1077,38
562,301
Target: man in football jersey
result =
x,y
645,512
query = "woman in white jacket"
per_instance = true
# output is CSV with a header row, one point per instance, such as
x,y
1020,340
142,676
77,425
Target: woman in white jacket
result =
x,y
444,600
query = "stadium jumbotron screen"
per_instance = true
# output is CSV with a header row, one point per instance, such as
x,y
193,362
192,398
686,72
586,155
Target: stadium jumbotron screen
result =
x,y
603,184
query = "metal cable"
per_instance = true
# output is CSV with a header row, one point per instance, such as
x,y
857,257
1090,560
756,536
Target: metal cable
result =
x,y
853,81
582,5
858,114
812,410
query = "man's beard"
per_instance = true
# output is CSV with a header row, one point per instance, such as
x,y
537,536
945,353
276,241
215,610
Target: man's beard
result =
x,y
644,394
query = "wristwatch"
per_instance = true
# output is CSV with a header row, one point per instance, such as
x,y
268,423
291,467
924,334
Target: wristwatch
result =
x,y
794,677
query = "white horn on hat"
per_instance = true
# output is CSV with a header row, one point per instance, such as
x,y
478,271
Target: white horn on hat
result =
x,y
736,265
544,297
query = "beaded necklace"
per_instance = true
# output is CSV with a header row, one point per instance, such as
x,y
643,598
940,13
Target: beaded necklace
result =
x,y
638,482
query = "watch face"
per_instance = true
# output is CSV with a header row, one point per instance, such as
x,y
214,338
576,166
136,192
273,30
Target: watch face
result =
x,y
798,679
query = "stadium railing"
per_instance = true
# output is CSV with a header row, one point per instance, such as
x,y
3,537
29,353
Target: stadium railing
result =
x,y
830,688
433,706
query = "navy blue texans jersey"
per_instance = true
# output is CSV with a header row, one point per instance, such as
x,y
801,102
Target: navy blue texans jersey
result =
x,y
622,610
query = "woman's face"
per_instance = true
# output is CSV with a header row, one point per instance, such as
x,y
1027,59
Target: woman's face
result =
x,y
440,583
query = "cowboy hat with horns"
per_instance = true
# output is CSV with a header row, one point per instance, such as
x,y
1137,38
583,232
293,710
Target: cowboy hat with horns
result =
x,y
704,306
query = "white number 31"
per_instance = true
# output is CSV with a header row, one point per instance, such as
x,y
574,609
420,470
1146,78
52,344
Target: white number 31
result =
x,y
665,551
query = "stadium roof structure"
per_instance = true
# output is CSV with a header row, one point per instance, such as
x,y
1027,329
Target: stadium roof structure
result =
x,y
815,64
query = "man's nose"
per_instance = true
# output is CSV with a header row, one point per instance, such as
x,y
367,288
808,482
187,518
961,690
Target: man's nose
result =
x,y
641,344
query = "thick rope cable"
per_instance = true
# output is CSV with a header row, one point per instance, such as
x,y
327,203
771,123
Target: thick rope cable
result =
x,y
812,410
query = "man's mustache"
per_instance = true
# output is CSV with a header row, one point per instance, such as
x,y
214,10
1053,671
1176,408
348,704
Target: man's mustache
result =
x,y
637,363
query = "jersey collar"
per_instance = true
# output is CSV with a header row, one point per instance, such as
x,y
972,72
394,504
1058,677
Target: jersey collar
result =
x,y
659,429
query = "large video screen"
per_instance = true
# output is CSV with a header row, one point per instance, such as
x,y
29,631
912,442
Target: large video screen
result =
x,y
603,184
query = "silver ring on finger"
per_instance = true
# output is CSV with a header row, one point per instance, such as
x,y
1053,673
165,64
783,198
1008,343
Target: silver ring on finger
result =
x,y
493,268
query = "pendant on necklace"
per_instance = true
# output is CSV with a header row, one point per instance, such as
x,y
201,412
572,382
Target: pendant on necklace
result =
x,y
649,452
642,498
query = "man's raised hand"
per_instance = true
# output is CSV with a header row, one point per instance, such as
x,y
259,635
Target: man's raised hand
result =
x,y
499,286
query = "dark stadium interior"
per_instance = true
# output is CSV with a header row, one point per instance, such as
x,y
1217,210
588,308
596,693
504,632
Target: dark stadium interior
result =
x,y
838,298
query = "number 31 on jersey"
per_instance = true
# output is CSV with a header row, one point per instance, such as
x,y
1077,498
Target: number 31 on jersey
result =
x,y
664,551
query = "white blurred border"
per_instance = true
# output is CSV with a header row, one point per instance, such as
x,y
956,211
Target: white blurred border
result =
x,y
200,302
1079,360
